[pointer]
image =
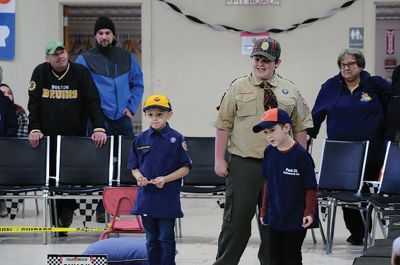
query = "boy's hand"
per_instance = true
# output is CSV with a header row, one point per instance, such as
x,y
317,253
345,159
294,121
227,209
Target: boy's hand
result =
x,y
307,221
262,220
142,181
159,182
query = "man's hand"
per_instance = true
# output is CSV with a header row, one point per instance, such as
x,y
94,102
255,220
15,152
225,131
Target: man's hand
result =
x,y
34,138
128,113
99,138
221,168
307,221
159,182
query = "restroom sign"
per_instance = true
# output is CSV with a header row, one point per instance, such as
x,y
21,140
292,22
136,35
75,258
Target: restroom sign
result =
x,y
356,37
7,29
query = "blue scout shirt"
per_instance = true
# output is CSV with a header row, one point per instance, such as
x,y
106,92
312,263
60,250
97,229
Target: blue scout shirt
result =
x,y
159,153
288,174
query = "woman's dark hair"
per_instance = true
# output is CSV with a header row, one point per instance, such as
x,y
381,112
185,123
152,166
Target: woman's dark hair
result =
x,y
18,108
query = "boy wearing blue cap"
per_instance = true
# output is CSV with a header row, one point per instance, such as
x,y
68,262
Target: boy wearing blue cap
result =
x,y
290,189
159,160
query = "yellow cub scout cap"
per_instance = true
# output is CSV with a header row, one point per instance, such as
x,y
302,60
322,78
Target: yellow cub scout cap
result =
x,y
157,101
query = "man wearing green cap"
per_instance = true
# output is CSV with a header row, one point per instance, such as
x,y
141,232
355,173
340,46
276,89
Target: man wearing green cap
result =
x,y
62,96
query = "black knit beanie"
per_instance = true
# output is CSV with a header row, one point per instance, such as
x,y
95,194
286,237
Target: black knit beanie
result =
x,y
104,23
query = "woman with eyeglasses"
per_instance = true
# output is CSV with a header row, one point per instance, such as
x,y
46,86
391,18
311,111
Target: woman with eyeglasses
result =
x,y
353,103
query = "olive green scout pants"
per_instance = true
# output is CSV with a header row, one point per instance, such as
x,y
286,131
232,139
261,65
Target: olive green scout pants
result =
x,y
244,189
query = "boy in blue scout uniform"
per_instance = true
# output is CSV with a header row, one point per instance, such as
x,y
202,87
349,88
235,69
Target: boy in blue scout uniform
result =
x,y
159,160
290,189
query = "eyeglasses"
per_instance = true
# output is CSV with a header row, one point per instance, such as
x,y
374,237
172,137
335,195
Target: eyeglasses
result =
x,y
349,64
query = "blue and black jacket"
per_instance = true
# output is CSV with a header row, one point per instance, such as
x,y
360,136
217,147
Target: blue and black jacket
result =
x,y
118,78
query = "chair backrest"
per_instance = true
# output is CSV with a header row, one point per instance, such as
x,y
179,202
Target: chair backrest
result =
x,y
119,200
201,151
125,176
390,182
21,164
342,165
80,162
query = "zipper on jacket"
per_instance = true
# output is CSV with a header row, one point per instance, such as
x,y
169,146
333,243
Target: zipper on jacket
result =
x,y
116,92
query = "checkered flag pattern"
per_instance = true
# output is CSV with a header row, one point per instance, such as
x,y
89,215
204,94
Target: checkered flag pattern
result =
x,y
13,205
77,259
373,186
87,207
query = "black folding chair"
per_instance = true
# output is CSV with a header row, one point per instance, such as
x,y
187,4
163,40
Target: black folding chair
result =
x,y
386,203
124,175
201,182
341,179
23,170
83,170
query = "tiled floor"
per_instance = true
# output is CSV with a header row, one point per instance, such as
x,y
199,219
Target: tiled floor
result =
x,y
198,245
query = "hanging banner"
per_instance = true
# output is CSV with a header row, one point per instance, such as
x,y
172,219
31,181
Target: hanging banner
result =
x,y
248,40
252,2
390,41
7,29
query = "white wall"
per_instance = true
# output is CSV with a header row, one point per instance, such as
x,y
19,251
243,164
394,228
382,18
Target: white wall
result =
x,y
194,64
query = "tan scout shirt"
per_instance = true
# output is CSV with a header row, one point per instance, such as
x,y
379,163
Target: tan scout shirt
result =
x,y
242,108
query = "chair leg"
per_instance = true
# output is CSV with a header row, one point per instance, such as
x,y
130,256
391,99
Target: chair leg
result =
x,y
23,209
45,216
178,228
328,227
367,224
321,230
313,236
37,205
333,218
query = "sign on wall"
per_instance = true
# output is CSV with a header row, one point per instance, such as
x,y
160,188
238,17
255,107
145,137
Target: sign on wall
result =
x,y
252,2
390,41
7,29
356,37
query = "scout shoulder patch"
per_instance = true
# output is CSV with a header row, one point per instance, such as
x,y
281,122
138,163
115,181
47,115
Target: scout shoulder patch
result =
x,y
184,146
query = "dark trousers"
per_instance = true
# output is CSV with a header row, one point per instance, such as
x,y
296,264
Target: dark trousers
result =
x,y
354,221
285,246
160,235
244,190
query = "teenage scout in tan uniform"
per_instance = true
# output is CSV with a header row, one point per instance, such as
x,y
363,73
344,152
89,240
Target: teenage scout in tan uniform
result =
x,y
241,108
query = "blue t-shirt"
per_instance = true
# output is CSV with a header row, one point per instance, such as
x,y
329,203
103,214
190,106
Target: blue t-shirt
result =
x,y
288,174
159,153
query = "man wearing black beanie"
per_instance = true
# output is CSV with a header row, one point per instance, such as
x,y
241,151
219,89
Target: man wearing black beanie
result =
x,y
119,81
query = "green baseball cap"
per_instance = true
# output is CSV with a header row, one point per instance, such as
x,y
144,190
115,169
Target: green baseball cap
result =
x,y
52,46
